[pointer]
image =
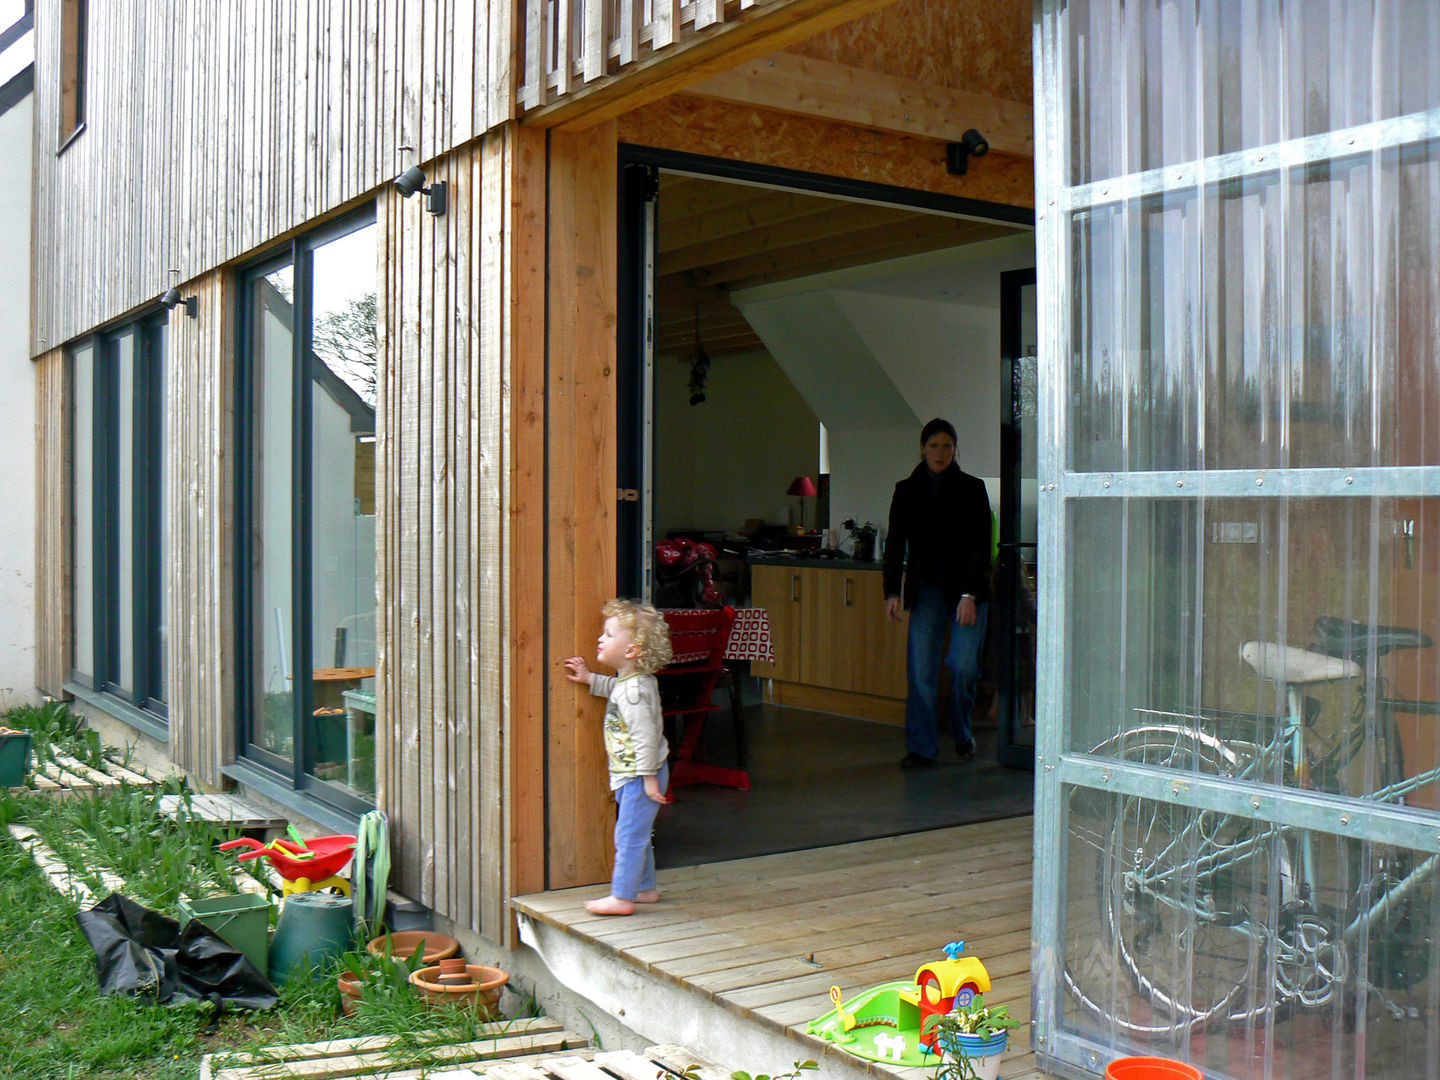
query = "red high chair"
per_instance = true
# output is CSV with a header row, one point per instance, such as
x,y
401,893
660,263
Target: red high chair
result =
x,y
698,638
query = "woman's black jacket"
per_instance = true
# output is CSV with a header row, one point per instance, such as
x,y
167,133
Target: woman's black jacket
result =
x,y
944,539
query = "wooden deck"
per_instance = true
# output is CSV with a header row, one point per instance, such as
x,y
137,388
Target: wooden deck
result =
x,y
766,938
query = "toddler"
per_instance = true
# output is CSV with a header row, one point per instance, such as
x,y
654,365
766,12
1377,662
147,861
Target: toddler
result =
x,y
635,641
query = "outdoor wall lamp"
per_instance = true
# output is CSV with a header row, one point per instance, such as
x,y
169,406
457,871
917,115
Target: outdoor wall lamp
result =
x,y
958,154
170,299
413,180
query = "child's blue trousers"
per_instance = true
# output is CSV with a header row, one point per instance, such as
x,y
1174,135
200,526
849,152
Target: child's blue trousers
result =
x,y
634,855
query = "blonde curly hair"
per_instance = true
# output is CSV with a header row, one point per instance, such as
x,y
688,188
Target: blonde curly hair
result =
x,y
647,629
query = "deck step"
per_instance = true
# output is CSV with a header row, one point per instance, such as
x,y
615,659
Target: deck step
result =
x,y
537,1048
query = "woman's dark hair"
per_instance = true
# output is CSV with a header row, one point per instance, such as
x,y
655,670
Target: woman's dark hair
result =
x,y
934,427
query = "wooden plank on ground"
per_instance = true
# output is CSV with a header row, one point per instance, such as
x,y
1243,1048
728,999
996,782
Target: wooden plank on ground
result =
x,y
61,878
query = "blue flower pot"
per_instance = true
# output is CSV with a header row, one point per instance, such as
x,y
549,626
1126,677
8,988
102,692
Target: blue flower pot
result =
x,y
983,1055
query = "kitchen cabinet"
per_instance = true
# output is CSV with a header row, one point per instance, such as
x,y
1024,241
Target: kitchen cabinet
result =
x,y
831,635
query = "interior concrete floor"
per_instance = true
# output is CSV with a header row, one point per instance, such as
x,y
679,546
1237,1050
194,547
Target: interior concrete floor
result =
x,y
818,779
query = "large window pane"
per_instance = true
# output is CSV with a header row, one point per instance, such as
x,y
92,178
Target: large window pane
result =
x,y
1262,324
1285,587
272,320
82,463
122,624
342,464
1161,84
1182,899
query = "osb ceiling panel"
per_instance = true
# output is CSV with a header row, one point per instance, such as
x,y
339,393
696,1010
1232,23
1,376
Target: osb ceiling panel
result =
x,y
982,46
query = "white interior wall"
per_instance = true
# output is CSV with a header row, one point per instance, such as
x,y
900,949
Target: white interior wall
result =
x,y
732,457
17,414
927,330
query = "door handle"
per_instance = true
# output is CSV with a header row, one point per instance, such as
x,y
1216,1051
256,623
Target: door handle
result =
x,y
795,587
849,592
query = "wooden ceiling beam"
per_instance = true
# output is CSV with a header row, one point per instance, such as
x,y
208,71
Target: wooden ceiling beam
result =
x,y
764,208
684,197
809,87
834,219
899,249
856,248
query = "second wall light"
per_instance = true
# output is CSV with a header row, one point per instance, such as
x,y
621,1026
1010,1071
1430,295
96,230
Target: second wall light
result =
x,y
413,180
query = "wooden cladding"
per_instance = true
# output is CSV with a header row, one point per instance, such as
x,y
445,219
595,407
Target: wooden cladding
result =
x,y
485,573
200,512
584,62
53,522
213,128
442,696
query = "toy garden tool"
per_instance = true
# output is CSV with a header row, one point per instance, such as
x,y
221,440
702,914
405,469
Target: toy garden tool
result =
x,y
309,866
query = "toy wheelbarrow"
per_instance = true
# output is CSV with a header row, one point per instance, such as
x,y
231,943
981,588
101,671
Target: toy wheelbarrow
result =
x,y
306,866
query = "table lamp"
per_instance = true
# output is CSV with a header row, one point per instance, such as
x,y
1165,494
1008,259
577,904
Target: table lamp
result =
x,y
802,486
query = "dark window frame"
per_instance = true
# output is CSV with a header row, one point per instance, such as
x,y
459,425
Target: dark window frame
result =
x,y
74,50
296,773
107,488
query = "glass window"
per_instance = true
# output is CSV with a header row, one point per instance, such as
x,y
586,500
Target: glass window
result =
x,y
309,372
82,361
120,531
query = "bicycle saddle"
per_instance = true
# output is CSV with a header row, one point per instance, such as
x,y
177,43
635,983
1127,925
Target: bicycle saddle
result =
x,y
1289,665
1355,640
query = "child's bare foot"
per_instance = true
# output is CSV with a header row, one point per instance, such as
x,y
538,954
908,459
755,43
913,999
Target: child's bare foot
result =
x,y
648,896
610,905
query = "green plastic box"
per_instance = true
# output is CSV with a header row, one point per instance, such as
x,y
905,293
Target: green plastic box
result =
x,y
14,758
242,920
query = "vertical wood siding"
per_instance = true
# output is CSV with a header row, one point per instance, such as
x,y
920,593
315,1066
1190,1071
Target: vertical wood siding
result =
x,y
442,424
212,127
199,509
52,522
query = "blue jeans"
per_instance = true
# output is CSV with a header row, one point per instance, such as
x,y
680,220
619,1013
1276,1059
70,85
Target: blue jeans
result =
x,y
930,618
634,856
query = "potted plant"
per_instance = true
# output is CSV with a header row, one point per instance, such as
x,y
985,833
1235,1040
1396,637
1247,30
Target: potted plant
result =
x,y
376,976
864,537
971,1038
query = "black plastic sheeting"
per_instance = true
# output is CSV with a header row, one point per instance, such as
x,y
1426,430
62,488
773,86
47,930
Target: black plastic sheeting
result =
x,y
142,952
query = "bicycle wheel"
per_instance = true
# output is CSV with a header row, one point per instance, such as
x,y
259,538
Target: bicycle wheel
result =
x,y
1183,898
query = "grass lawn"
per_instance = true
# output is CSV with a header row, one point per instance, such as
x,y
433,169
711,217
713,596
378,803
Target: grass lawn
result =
x,y
56,1024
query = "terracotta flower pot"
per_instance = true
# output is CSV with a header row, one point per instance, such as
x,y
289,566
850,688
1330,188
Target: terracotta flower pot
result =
x,y
349,984
402,943
480,989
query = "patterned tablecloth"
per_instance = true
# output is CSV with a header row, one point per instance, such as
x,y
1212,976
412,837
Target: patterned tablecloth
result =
x,y
749,639
750,636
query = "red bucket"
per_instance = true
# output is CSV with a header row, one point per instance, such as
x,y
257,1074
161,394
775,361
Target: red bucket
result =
x,y
1150,1068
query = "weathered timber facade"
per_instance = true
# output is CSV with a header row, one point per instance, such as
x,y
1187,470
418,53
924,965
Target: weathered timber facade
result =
x,y
215,133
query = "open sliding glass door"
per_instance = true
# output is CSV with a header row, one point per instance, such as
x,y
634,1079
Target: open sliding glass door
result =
x,y
635,352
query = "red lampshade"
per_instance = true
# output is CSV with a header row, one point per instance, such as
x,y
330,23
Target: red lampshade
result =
x,y
801,485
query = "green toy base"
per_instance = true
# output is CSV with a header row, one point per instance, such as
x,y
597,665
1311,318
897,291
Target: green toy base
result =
x,y
879,1011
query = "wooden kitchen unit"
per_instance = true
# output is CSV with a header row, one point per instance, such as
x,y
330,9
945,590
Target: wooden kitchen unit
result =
x,y
834,649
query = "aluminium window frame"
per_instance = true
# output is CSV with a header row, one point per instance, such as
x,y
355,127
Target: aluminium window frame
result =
x,y
146,697
296,773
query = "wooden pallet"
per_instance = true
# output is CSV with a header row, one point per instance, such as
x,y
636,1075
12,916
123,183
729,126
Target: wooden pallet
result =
x,y
537,1048
230,810
63,775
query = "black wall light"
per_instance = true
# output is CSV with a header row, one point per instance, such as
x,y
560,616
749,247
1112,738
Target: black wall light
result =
x,y
413,180
170,299
958,154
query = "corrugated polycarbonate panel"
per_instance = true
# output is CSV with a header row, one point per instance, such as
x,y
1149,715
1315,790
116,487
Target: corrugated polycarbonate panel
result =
x,y
1239,695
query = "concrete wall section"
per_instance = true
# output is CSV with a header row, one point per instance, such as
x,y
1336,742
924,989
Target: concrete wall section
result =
x,y
17,413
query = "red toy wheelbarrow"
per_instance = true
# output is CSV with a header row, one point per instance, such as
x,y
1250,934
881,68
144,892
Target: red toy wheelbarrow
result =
x,y
306,866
